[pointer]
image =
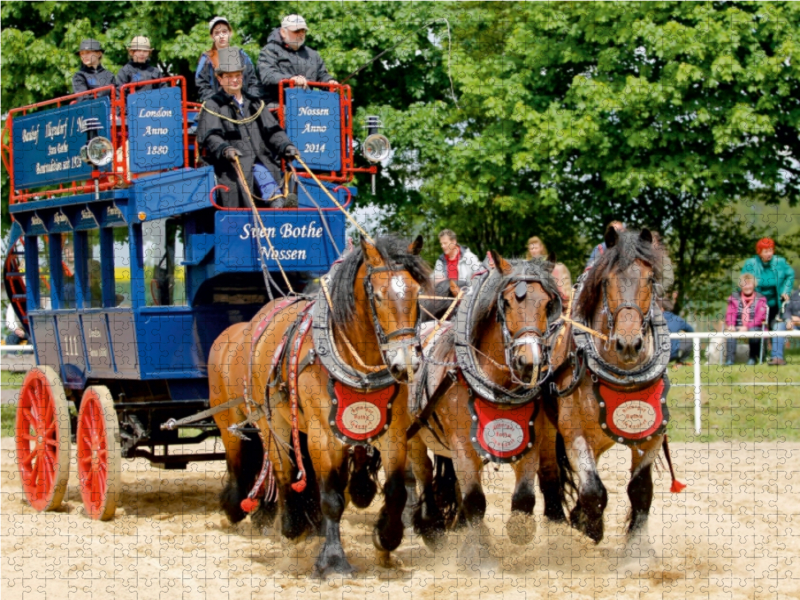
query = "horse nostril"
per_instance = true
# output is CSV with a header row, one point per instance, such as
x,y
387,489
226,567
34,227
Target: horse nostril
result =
x,y
637,345
620,346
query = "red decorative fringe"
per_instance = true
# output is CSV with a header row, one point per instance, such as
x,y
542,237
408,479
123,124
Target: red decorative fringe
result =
x,y
677,487
249,504
299,486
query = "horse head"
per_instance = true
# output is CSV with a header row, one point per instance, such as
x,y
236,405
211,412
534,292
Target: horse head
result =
x,y
393,277
527,302
624,281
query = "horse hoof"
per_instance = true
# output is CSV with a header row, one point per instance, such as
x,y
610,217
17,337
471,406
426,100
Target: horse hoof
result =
x,y
591,529
391,538
521,528
334,566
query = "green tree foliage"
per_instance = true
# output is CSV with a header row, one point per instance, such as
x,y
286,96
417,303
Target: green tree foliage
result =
x,y
564,115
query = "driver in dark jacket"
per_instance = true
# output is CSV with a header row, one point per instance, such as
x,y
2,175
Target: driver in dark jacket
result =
x,y
233,124
287,57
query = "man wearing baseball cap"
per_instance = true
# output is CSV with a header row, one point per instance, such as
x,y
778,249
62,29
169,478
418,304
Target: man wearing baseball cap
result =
x,y
774,279
221,33
139,67
234,126
287,57
91,75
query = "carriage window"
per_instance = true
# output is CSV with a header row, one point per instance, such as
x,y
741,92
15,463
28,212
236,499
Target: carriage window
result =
x,y
94,298
66,291
122,267
43,250
164,275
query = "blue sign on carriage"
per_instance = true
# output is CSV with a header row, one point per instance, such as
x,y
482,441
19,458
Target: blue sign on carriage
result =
x,y
155,129
314,124
47,144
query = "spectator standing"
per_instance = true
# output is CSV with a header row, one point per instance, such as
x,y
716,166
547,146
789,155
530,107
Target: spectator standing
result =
x,y
456,262
286,56
775,279
537,249
747,311
207,84
679,349
138,67
92,74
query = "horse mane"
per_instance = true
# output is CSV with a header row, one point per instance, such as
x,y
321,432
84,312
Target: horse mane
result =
x,y
497,281
628,249
392,249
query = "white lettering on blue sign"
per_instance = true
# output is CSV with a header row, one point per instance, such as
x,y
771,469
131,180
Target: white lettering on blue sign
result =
x,y
51,131
31,135
57,149
313,112
52,167
306,231
309,128
156,130
262,232
161,112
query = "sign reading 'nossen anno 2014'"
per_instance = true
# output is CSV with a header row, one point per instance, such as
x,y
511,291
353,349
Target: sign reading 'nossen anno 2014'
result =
x,y
155,129
313,123
47,144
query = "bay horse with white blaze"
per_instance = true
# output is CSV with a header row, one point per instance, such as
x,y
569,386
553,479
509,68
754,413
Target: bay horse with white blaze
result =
x,y
334,369
612,390
477,397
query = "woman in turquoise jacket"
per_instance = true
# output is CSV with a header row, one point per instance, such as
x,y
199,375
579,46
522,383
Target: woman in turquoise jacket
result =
x,y
775,279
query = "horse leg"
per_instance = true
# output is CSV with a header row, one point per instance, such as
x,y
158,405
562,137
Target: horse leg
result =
x,y
363,487
388,531
587,516
552,476
427,520
640,488
330,464
521,527
473,506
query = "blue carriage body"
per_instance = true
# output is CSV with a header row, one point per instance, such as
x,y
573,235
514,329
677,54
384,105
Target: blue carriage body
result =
x,y
160,270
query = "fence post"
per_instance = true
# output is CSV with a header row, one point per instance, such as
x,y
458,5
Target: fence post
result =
x,y
696,348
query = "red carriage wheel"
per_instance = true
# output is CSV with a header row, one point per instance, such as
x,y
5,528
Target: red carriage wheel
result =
x,y
43,438
99,456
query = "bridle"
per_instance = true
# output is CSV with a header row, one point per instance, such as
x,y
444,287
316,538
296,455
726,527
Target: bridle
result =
x,y
611,316
389,342
530,335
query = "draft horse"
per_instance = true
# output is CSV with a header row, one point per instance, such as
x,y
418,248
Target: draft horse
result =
x,y
613,388
335,369
477,396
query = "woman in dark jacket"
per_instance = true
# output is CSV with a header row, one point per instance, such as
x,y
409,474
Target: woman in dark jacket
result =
x,y
207,84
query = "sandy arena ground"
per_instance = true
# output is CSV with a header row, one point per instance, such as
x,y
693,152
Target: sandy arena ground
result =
x,y
734,533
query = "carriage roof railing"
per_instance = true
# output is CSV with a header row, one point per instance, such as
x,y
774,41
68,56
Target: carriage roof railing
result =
x,y
119,175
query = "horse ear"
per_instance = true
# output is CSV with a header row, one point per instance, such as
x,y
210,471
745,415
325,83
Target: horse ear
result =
x,y
611,237
646,236
501,263
551,257
454,289
371,253
416,246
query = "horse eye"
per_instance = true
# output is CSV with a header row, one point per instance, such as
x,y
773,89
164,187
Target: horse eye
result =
x,y
379,295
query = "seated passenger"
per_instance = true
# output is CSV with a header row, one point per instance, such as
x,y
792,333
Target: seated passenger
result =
x,y
207,86
232,125
747,311
285,57
139,67
91,75
537,249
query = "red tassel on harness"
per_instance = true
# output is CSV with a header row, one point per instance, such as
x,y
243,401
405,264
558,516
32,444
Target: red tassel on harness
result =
x,y
249,504
299,486
676,486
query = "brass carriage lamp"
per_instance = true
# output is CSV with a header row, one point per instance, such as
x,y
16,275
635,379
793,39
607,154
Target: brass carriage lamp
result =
x,y
376,147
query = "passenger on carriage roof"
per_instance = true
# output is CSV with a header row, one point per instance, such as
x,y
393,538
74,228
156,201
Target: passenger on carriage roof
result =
x,y
207,85
234,124
139,67
456,262
92,74
286,57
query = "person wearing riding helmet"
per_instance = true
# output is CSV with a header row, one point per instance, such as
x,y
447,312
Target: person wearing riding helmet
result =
x,y
207,84
286,56
139,67
775,279
234,126
92,74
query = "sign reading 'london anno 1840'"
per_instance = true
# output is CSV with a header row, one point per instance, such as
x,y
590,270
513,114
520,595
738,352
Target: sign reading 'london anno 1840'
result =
x,y
314,123
47,144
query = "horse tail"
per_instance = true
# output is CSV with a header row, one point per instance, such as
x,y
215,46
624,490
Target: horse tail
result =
x,y
364,471
566,474
446,491
242,474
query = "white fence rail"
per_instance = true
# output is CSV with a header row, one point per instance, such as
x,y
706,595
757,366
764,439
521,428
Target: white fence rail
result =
x,y
726,335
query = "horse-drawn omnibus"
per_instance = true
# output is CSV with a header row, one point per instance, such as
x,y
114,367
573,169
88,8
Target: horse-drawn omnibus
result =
x,y
125,269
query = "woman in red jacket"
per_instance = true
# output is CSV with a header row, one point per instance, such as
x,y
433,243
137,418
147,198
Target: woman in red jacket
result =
x,y
747,311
